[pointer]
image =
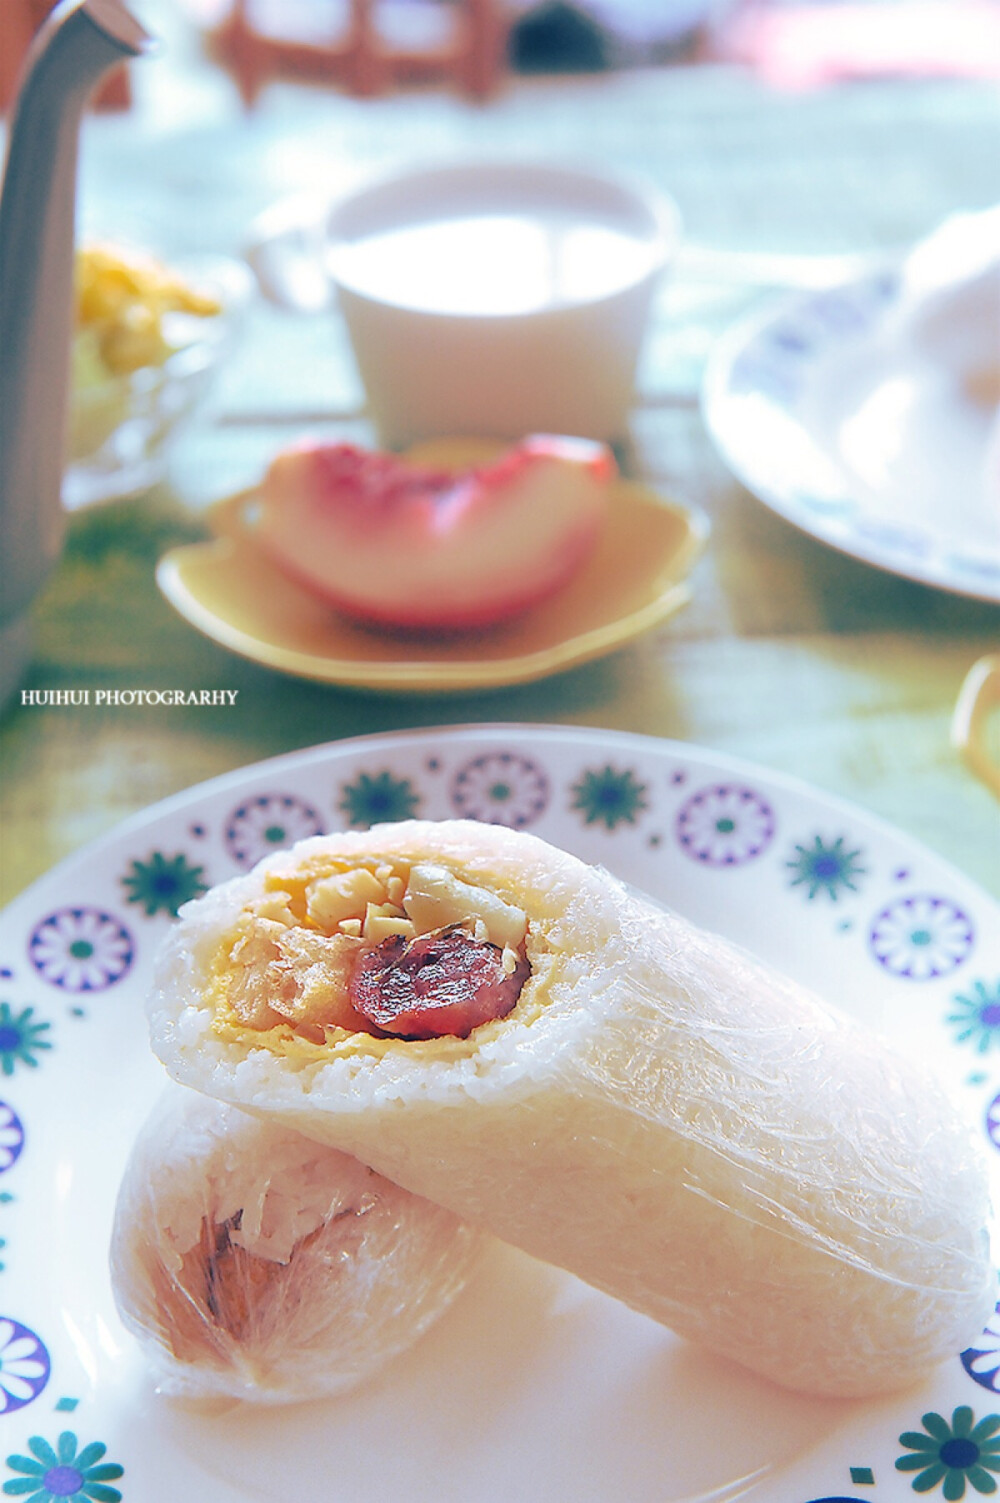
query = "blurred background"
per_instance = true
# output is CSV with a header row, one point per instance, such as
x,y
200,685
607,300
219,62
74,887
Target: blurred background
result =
x,y
798,140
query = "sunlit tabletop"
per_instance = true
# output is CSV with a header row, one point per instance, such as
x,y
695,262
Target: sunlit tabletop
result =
x,y
790,654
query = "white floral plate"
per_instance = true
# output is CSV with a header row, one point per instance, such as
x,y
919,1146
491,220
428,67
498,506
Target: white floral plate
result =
x,y
532,1386
839,426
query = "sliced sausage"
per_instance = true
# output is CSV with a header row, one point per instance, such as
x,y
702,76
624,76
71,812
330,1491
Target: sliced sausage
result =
x,y
437,984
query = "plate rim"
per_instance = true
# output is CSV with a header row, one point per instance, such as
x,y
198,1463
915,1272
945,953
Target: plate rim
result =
x,y
603,736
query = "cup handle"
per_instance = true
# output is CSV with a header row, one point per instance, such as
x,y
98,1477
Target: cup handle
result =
x,y
285,252
228,517
977,700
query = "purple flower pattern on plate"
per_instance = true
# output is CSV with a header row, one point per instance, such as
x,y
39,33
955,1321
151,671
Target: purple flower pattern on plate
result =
x,y
921,937
993,1121
725,825
982,1360
269,822
81,949
11,1137
24,1365
501,788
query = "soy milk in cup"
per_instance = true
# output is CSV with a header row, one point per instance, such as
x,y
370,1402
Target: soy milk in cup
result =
x,y
497,298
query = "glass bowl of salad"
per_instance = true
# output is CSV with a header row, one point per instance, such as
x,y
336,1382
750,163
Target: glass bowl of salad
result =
x,y
147,341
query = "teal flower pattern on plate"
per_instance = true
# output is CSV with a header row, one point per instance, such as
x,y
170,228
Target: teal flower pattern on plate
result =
x,y
64,1473
822,868
376,800
606,796
162,884
20,1038
976,1017
953,1455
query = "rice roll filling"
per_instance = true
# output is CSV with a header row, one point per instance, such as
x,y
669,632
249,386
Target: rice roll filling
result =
x,y
251,1262
386,950
221,1288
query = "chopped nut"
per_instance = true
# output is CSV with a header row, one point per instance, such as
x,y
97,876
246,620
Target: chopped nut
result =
x,y
382,920
351,926
509,960
330,900
274,905
436,897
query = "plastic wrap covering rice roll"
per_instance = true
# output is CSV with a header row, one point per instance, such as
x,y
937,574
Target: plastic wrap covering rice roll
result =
x,y
255,1263
519,1037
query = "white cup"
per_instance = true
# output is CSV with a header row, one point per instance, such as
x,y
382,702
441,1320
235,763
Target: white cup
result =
x,y
488,298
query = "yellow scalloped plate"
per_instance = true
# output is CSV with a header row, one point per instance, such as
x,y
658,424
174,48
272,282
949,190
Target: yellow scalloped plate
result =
x,y
636,577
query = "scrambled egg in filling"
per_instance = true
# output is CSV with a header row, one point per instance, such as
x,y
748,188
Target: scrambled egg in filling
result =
x,y
340,958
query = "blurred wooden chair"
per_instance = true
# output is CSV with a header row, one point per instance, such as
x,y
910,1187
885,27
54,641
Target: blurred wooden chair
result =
x,y
19,20
364,46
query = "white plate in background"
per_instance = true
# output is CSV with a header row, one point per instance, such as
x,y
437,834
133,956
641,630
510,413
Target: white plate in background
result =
x,y
858,438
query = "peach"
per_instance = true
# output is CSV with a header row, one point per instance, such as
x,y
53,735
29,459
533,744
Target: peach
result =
x,y
408,546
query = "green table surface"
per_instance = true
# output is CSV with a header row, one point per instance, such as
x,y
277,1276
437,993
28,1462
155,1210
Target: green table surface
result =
x,y
790,655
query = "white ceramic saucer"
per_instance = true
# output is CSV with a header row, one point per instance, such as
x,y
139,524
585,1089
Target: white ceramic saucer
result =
x,y
858,438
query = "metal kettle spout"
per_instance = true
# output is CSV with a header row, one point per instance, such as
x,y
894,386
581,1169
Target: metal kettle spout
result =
x,y
77,45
